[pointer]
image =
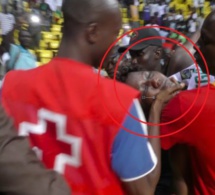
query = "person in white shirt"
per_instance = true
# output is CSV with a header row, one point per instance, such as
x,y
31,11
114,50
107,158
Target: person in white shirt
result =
x,y
161,9
190,77
136,2
196,3
153,7
7,25
7,22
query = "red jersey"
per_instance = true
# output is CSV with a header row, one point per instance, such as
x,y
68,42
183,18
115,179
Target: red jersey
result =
x,y
63,109
199,135
74,125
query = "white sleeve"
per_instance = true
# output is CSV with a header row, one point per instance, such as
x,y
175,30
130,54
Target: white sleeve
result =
x,y
185,75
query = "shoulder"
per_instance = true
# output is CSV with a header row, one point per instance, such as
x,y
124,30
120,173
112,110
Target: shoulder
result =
x,y
120,91
21,78
188,99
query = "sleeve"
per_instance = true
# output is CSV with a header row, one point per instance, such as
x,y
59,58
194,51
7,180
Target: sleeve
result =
x,y
174,109
184,75
132,155
14,54
23,173
194,81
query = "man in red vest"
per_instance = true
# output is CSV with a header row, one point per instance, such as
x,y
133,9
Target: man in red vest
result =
x,y
76,122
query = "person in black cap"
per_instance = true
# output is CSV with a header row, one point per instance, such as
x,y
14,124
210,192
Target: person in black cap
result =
x,y
147,53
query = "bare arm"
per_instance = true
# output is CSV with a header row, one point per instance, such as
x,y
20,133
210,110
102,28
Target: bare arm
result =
x,y
146,185
21,173
179,158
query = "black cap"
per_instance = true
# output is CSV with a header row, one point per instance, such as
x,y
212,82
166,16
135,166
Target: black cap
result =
x,y
140,35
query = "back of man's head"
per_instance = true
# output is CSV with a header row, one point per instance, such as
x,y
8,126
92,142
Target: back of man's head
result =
x,y
91,27
79,13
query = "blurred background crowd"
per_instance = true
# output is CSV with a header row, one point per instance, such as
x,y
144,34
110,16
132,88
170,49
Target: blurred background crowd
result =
x,y
31,30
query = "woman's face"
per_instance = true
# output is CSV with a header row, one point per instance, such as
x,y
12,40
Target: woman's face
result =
x,y
149,83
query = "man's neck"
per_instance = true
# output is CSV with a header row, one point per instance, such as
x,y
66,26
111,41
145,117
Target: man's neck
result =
x,y
74,51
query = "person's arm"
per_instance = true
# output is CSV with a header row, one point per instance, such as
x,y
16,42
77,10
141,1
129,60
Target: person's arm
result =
x,y
21,173
145,181
14,53
179,160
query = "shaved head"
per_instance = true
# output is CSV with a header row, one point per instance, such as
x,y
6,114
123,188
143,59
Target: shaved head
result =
x,y
81,12
90,27
84,11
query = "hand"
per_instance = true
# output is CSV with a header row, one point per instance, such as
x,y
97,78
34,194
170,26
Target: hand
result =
x,y
166,95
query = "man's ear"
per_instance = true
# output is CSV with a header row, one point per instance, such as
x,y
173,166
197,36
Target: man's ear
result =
x,y
158,53
92,33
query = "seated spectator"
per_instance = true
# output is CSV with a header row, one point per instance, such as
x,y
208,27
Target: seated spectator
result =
x,y
20,57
